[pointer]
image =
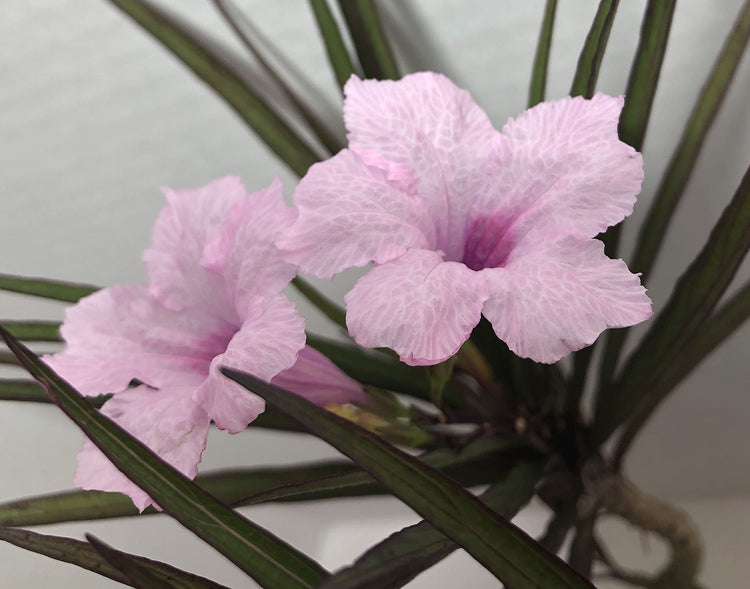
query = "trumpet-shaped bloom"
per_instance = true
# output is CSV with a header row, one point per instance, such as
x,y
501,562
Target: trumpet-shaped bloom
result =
x,y
214,298
462,220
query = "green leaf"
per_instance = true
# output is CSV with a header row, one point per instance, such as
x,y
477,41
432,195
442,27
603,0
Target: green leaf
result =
x,y
330,309
34,331
372,45
218,72
679,170
541,59
590,60
712,332
496,543
85,556
261,555
693,299
12,389
49,289
399,558
338,55
266,54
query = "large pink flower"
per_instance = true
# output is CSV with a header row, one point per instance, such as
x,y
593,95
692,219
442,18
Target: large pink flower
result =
x,y
463,220
214,298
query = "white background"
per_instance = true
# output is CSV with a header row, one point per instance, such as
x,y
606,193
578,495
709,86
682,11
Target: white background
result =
x,y
95,117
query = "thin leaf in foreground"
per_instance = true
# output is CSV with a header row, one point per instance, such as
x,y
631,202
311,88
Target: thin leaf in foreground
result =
x,y
500,546
587,71
266,558
57,290
34,331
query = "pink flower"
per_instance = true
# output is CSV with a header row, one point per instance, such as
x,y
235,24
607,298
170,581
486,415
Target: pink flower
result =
x,y
214,299
463,220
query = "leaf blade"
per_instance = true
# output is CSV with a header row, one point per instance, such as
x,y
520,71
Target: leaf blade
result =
x,y
338,55
57,290
34,331
498,545
370,41
257,552
541,58
590,59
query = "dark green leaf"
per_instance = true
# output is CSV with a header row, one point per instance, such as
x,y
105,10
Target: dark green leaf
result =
x,y
372,45
504,549
34,331
730,316
12,389
49,289
402,556
338,55
587,72
330,309
264,52
541,60
581,555
679,171
693,299
557,530
261,555
85,556
218,72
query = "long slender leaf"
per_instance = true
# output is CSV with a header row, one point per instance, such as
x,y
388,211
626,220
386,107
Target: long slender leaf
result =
x,y
330,309
399,558
541,59
33,331
220,74
85,556
372,45
57,290
693,299
338,55
711,334
504,549
587,71
679,170
267,559
263,52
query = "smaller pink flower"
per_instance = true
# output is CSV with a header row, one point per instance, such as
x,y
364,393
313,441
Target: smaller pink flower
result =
x,y
462,220
214,298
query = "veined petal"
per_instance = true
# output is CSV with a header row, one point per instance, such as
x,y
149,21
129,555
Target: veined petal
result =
x,y
350,214
169,421
186,225
559,297
418,305
244,252
430,137
558,169
267,343
121,333
319,380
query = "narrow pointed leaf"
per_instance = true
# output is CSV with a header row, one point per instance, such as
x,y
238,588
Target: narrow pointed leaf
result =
x,y
711,334
693,299
372,45
219,73
267,559
57,290
330,309
12,389
338,54
590,60
33,331
496,543
264,52
541,59
680,169
85,556
399,558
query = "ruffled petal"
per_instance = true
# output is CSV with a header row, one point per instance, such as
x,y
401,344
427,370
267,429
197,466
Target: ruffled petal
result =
x,y
319,380
121,333
430,138
418,305
244,252
560,297
186,225
558,169
168,421
349,214
267,343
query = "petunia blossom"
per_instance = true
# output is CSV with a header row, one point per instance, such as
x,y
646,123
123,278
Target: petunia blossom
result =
x,y
461,220
214,298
